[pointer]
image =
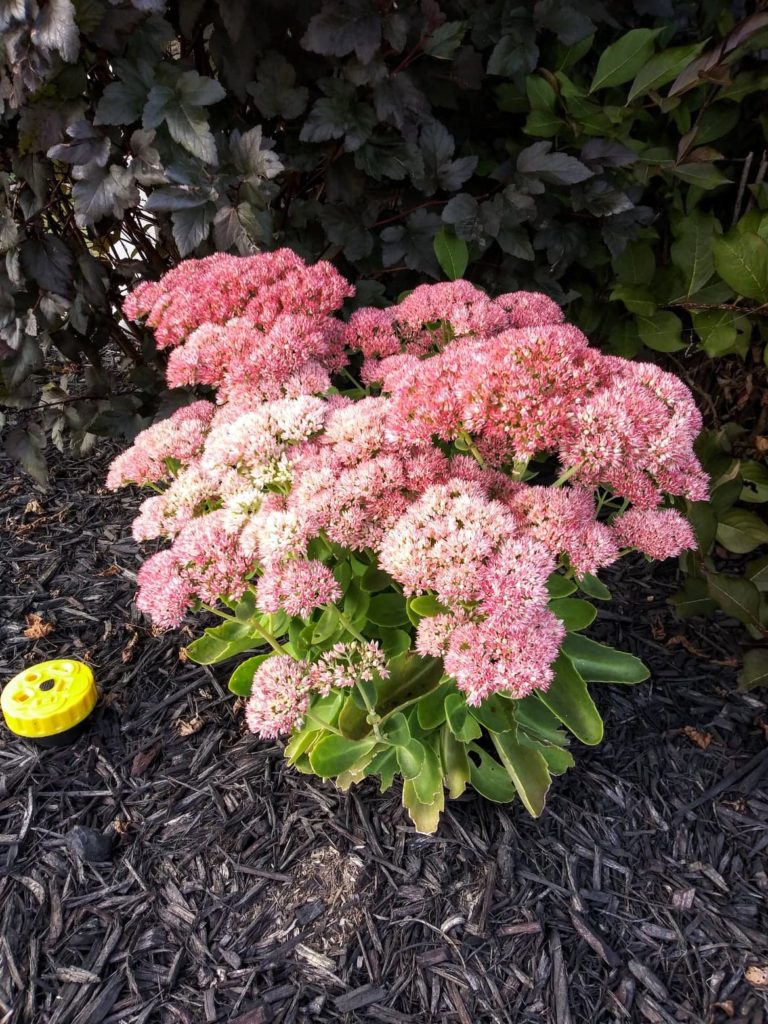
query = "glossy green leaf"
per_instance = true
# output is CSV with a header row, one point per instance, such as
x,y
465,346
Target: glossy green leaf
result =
x,y
662,332
738,597
574,613
741,531
754,671
691,251
622,60
538,721
741,259
452,253
597,663
387,610
661,69
755,479
567,697
757,573
693,599
241,680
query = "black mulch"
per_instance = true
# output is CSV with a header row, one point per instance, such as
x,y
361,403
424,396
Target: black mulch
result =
x,y
169,868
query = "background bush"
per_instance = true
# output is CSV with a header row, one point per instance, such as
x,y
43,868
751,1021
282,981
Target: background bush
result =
x,y
611,155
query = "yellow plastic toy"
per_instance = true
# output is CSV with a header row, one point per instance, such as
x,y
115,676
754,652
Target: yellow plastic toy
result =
x,y
49,702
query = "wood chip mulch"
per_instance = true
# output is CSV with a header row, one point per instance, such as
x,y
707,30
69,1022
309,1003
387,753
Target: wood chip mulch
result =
x,y
167,868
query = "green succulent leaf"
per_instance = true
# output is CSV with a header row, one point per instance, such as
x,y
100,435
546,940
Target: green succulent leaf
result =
x,y
597,663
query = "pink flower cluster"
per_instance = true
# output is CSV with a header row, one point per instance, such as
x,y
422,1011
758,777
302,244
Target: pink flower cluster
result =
x,y
282,686
431,476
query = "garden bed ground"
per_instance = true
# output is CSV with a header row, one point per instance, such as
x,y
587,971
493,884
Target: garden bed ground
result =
x,y
169,868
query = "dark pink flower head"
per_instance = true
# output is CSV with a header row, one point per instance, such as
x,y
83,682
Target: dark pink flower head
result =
x,y
215,289
434,314
658,533
564,521
211,557
163,593
529,309
635,435
504,653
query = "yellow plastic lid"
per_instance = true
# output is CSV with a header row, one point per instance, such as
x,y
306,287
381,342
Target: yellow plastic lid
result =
x,y
48,698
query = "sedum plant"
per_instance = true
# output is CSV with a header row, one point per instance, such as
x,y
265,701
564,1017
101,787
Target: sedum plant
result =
x,y
395,515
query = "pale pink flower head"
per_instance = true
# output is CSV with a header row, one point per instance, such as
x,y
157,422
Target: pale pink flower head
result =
x,y
347,664
443,541
504,654
658,533
279,697
177,439
297,588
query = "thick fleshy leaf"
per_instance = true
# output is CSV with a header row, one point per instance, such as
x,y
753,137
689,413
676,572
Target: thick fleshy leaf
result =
x,y
456,770
527,769
462,724
388,610
594,587
597,663
410,758
496,713
335,754
241,680
425,817
488,777
567,697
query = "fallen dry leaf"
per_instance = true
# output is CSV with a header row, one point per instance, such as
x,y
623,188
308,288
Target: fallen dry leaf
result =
x,y
701,739
37,627
757,975
183,656
127,652
144,759
190,727
33,506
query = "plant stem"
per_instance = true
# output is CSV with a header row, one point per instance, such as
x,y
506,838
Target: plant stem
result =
x,y
472,448
323,725
347,624
519,468
263,633
373,717
565,476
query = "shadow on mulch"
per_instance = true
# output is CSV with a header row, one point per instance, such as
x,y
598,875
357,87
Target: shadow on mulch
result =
x,y
169,868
